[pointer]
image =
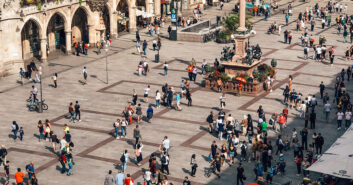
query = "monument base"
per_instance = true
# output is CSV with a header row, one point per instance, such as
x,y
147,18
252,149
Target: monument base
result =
x,y
236,68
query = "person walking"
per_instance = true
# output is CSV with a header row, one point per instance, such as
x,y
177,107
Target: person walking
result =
x,y
109,179
240,174
138,47
144,47
120,178
123,159
137,135
30,171
340,115
193,164
165,68
165,163
327,110
145,94
54,78
19,177
322,89
14,128
304,136
138,153
312,119
319,142
123,125
7,172
222,100
84,72
348,118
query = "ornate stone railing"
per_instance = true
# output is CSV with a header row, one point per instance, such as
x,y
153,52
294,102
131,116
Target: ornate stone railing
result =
x,y
232,86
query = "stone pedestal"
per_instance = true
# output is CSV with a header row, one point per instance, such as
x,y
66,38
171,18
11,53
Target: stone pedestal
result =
x,y
232,68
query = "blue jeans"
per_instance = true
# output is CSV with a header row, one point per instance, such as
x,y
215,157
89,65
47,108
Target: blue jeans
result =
x,y
70,169
144,51
123,166
157,103
14,134
123,130
165,72
78,114
339,123
348,123
72,116
250,139
327,115
116,131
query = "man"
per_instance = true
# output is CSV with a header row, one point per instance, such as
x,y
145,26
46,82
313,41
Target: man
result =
x,y
304,134
325,99
19,177
322,88
312,119
340,115
166,144
190,70
214,149
144,47
348,118
138,36
77,111
7,172
319,142
137,134
123,159
14,128
3,153
217,161
169,30
120,178
165,163
327,110
186,181
34,93
240,174
280,144
210,122
109,179
30,171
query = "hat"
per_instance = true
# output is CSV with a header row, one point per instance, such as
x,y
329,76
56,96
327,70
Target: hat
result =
x,y
281,155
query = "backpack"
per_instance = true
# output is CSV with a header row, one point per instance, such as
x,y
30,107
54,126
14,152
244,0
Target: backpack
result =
x,y
242,147
277,142
164,160
27,166
122,158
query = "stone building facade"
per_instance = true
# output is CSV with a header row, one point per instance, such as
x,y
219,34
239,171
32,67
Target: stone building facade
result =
x,y
40,28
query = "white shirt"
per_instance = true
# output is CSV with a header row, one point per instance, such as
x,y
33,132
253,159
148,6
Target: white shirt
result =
x,y
62,144
302,107
340,115
84,71
318,50
123,123
348,115
148,175
327,107
166,143
158,96
146,90
222,98
294,134
35,91
116,124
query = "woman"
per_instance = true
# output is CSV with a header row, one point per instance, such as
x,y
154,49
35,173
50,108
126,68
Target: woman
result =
x,y
222,100
123,124
134,97
41,129
244,124
290,82
188,97
149,113
165,68
138,153
232,152
158,98
224,152
139,113
54,140
54,77
47,131
347,54
286,92
193,165
220,126
71,111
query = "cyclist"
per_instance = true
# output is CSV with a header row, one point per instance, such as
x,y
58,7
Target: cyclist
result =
x,y
216,162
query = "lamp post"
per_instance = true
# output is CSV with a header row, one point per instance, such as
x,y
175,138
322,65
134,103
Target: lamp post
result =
x,y
41,90
106,60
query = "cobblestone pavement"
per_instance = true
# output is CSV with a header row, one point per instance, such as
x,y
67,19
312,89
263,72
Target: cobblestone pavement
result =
x,y
96,151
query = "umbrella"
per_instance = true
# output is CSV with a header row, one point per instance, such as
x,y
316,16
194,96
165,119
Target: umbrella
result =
x,y
242,79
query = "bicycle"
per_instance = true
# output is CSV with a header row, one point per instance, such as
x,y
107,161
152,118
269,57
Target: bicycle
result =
x,y
211,170
35,106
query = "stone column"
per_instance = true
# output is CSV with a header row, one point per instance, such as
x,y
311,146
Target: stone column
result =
x,y
157,8
132,17
91,35
147,4
43,49
68,42
242,15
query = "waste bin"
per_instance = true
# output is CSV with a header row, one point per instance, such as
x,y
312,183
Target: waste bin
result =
x,y
156,58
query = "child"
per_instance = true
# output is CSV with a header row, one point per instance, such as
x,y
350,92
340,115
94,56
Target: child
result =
x,y
21,133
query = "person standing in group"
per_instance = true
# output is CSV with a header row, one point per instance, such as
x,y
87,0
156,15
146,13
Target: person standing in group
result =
x,y
190,70
71,112
177,100
77,111
304,135
165,68
319,142
30,171
145,94
137,134
84,72
348,118
158,99
7,172
340,115
109,179
128,180
194,73
188,97
148,177
123,124
138,153
19,176
119,178
116,128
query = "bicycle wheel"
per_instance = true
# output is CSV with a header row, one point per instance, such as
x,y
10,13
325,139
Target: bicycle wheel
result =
x,y
207,172
44,106
32,107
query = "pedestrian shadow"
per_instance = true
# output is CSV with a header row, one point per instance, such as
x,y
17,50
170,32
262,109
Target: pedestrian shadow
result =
x,y
96,77
203,128
58,168
50,149
186,171
205,158
36,136
11,136
19,82
136,74
81,82
130,142
162,74
51,85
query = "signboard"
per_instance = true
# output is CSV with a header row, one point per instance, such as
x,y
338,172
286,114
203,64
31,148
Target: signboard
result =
x,y
173,15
